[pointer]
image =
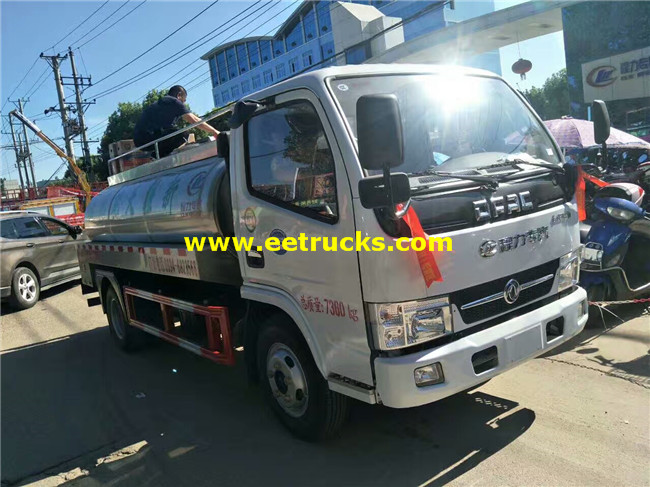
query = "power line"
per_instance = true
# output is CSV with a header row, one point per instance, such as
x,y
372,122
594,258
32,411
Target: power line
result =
x,y
118,20
156,67
105,19
155,45
19,83
80,24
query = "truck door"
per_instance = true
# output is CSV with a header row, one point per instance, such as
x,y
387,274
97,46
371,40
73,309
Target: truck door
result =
x,y
290,180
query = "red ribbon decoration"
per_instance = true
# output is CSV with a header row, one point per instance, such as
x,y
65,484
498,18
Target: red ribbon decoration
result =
x,y
580,191
427,261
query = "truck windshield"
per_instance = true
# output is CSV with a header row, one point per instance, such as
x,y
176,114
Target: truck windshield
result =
x,y
452,122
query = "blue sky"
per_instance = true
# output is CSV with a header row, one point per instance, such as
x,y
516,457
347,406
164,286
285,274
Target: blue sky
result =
x,y
28,28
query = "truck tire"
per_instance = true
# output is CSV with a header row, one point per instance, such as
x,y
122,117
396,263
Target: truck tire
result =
x,y
25,289
294,387
127,337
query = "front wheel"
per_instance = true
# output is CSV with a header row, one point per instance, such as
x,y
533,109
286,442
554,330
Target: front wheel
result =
x,y
293,386
25,289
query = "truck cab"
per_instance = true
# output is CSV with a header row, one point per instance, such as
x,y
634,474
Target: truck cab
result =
x,y
334,159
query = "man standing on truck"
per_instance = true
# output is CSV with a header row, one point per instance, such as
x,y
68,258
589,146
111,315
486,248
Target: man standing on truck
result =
x,y
157,120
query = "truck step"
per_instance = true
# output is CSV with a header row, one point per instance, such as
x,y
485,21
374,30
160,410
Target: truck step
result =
x,y
217,346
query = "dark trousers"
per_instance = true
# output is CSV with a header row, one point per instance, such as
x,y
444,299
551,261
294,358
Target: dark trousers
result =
x,y
165,147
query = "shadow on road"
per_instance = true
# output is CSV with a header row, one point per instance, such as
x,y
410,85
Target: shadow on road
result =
x,y
69,402
6,309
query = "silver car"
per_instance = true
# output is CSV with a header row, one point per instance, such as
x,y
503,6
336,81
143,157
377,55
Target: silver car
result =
x,y
36,252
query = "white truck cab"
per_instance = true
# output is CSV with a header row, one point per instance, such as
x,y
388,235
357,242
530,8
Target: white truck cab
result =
x,y
328,155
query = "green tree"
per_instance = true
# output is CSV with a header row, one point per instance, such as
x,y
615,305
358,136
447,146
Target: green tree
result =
x,y
552,99
95,171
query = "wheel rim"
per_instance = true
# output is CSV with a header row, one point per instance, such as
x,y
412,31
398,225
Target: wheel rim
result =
x,y
116,318
27,287
287,380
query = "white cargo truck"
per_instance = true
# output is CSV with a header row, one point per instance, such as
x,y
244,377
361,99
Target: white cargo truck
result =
x,y
346,152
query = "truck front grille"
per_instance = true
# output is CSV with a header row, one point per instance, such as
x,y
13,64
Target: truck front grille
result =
x,y
497,306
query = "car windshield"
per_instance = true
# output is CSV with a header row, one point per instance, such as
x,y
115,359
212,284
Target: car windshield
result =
x,y
453,122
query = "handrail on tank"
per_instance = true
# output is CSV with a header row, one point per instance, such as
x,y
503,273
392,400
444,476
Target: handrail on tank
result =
x,y
223,111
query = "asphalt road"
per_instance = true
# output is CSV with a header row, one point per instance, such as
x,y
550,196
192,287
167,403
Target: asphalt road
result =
x,y
76,410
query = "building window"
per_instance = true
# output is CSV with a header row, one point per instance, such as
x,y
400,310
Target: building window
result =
x,y
294,37
235,92
309,21
213,71
278,46
280,72
293,65
307,59
327,53
253,54
268,77
245,87
291,165
265,50
215,97
242,57
257,83
324,19
225,96
231,59
358,54
221,67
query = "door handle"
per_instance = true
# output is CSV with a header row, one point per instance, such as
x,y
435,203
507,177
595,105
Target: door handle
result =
x,y
29,245
61,241
255,259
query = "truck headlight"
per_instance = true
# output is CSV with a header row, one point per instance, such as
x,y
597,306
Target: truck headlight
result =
x,y
399,325
569,269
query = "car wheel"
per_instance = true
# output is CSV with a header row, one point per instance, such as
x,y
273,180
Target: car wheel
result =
x,y
293,386
25,289
126,336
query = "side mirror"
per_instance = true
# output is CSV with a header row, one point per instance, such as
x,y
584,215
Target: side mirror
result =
x,y
379,132
373,192
601,121
77,230
242,113
223,146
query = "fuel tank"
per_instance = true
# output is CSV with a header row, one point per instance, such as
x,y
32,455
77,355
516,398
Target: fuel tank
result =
x,y
189,200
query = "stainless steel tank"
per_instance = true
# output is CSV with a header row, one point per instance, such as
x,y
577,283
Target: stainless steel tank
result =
x,y
183,201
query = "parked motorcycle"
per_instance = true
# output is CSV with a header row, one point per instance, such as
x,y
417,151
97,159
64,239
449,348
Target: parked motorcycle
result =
x,y
616,235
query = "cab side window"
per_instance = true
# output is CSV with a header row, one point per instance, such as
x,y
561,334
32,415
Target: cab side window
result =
x,y
30,227
55,227
290,163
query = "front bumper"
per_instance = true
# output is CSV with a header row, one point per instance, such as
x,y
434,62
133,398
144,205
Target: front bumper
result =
x,y
516,340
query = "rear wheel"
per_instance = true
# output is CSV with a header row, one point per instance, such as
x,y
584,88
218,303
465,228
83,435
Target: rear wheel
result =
x,y
25,289
127,337
294,387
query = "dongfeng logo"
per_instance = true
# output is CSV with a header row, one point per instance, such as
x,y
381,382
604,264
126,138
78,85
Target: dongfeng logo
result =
x,y
601,76
511,291
488,248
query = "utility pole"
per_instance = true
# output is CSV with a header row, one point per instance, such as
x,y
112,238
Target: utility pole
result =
x,y
13,138
27,150
54,62
78,84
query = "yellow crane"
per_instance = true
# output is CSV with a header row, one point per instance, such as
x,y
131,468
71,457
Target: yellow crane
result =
x,y
81,176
